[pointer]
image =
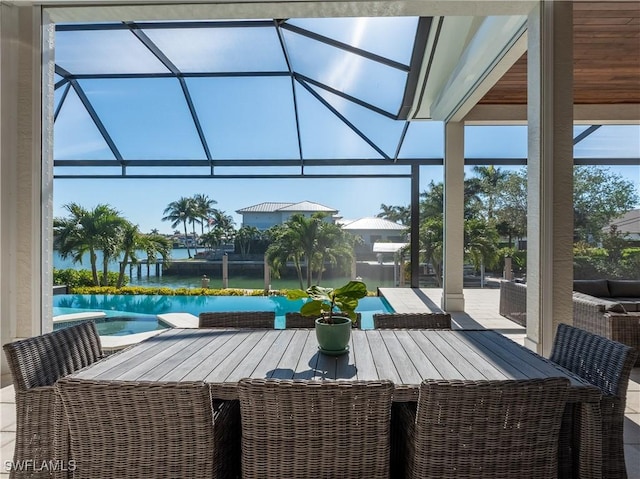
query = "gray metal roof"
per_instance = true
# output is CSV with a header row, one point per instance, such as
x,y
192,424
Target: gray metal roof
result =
x,y
272,207
373,223
308,206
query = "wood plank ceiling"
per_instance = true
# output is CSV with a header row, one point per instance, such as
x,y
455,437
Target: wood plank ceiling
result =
x,y
606,52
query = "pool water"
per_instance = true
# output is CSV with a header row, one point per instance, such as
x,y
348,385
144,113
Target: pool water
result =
x,y
117,323
127,313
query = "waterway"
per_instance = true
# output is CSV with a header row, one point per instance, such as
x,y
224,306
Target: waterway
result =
x,y
242,282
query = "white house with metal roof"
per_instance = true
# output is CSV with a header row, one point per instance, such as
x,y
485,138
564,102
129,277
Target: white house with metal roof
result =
x,y
265,215
376,230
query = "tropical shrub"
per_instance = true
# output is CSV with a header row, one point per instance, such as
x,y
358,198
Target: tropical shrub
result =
x,y
82,277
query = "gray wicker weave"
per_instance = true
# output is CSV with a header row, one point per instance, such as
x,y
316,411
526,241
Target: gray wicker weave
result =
x,y
513,302
412,320
482,429
591,314
315,429
296,320
36,364
125,429
606,364
237,319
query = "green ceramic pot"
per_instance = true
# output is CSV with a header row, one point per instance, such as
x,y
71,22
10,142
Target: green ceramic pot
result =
x,y
333,338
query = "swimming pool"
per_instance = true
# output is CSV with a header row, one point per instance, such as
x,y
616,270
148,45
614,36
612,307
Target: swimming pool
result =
x,y
116,323
152,305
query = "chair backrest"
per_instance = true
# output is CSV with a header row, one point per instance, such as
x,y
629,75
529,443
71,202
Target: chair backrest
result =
x,y
129,429
237,319
296,320
498,429
604,363
315,428
42,360
412,320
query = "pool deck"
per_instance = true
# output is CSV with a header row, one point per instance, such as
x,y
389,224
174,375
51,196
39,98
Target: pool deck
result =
x,y
64,318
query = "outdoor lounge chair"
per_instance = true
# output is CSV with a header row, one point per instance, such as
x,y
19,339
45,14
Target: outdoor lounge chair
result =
x,y
36,364
606,364
315,429
481,429
237,319
133,430
412,320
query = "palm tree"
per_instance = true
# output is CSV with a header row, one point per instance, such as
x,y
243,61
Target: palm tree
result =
x,y
245,236
481,243
334,246
224,223
432,244
130,243
283,248
310,239
180,212
398,214
90,231
490,180
154,245
204,208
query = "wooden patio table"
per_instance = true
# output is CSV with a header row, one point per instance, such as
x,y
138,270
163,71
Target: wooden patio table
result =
x,y
221,357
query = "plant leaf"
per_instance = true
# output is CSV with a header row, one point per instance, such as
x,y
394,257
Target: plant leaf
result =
x,y
353,289
312,308
297,294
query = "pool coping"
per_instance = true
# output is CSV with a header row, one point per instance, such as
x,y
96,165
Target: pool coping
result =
x,y
115,343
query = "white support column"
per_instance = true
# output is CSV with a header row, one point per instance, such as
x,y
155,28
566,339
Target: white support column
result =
x,y
21,276
452,295
549,172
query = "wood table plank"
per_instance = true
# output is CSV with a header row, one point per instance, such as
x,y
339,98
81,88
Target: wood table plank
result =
x,y
546,368
201,346
222,344
421,361
124,356
454,356
270,361
308,361
476,356
345,364
440,362
250,361
162,348
196,367
381,357
401,360
250,338
285,368
362,356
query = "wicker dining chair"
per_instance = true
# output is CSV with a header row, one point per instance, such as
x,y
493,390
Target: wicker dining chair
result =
x,y
412,320
129,429
237,319
296,320
313,429
606,364
482,429
36,364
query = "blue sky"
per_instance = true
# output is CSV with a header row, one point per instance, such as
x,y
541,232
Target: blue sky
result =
x,y
142,201
254,118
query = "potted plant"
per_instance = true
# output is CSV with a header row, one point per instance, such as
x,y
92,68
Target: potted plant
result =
x,y
335,309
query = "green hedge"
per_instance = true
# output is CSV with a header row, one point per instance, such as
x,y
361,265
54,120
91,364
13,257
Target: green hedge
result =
x,y
82,277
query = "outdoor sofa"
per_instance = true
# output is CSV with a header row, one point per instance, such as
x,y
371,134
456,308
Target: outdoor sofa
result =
x,y
606,307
